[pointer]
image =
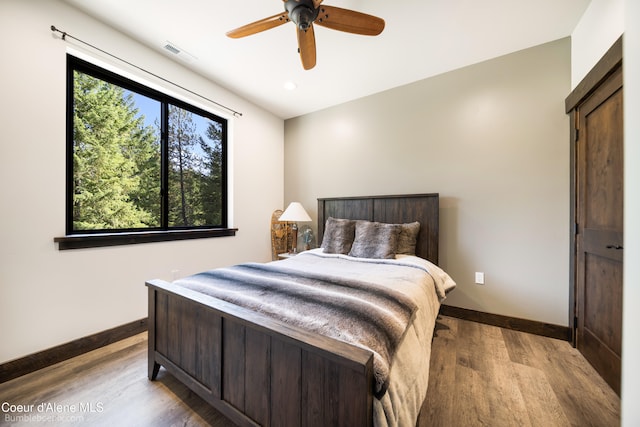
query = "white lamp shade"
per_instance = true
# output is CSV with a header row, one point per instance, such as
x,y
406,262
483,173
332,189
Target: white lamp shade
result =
x,y
295,213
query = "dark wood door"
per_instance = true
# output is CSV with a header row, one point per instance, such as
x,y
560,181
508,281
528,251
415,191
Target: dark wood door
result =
x,y
599,214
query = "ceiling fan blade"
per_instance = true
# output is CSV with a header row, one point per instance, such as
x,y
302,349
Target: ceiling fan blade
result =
x,y
307,47
258,26
349,21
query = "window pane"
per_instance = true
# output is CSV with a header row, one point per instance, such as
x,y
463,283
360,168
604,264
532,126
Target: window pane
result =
x,y
116,157
195,172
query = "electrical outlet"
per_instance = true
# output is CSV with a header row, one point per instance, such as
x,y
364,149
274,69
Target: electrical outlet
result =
x,y
479,278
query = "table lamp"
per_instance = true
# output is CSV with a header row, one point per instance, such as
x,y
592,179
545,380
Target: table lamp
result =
x,y
295,213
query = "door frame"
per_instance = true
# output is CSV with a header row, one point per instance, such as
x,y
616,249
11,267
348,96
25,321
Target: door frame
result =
x,y
608,64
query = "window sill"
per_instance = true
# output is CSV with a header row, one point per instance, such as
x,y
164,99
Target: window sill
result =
x,y
82,241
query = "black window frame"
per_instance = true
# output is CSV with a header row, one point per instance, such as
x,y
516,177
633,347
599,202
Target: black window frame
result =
x,y
75,239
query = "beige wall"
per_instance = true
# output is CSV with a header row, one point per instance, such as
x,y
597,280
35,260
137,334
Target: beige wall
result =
x,y
48,297
493,140
600,26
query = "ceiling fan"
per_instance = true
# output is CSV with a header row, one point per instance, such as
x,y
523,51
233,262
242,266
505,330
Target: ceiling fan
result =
x,y
304,13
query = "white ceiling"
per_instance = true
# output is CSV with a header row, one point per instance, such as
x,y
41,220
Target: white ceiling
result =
x,y
422,38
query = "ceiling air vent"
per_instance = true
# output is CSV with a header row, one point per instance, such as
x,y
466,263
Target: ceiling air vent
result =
x,y
180,53
171,48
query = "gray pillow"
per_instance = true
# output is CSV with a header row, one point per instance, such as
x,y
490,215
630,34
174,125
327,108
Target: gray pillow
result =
x,y
338,235
407,238
375,240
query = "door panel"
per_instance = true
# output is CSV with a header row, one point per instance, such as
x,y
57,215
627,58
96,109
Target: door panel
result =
x,y
603,302
599,214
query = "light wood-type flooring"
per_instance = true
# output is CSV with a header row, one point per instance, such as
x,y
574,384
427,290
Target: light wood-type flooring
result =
x,y
489,376
480,376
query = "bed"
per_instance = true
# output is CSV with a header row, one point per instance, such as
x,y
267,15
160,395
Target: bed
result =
x,y
262,367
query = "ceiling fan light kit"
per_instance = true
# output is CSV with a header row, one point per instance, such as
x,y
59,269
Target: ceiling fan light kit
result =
x,y
304,13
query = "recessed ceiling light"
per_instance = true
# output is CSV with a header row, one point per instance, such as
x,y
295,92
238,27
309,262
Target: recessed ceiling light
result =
x,y
290,86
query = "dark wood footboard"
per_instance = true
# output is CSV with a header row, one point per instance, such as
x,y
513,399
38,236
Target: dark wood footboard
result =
x,y
253,369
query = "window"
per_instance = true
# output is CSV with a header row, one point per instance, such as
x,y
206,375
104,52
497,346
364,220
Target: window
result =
x,y
140,161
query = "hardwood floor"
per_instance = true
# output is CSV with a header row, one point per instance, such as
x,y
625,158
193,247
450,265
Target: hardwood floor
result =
x,y
480,375
113,382
490,376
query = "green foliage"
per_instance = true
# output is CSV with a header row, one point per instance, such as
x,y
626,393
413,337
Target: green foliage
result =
x,y
114,155
117,163
193,165
212,187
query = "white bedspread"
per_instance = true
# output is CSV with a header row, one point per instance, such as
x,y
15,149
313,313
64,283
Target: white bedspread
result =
x,y
442,281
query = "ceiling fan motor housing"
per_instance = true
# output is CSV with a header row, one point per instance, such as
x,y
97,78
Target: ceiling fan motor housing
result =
x,y
301,12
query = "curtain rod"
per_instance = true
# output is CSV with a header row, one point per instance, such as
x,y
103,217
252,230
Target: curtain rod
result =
x,y
64,38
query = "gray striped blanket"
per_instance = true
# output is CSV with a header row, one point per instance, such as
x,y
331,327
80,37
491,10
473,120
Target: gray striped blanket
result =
x,y
363,313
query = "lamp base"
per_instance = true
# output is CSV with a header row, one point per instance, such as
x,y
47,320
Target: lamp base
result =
x,y
294,238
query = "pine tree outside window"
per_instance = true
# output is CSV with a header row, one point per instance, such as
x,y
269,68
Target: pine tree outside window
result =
x,y
139,160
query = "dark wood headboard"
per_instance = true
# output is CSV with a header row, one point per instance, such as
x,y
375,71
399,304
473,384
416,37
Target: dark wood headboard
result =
x,y
397,209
